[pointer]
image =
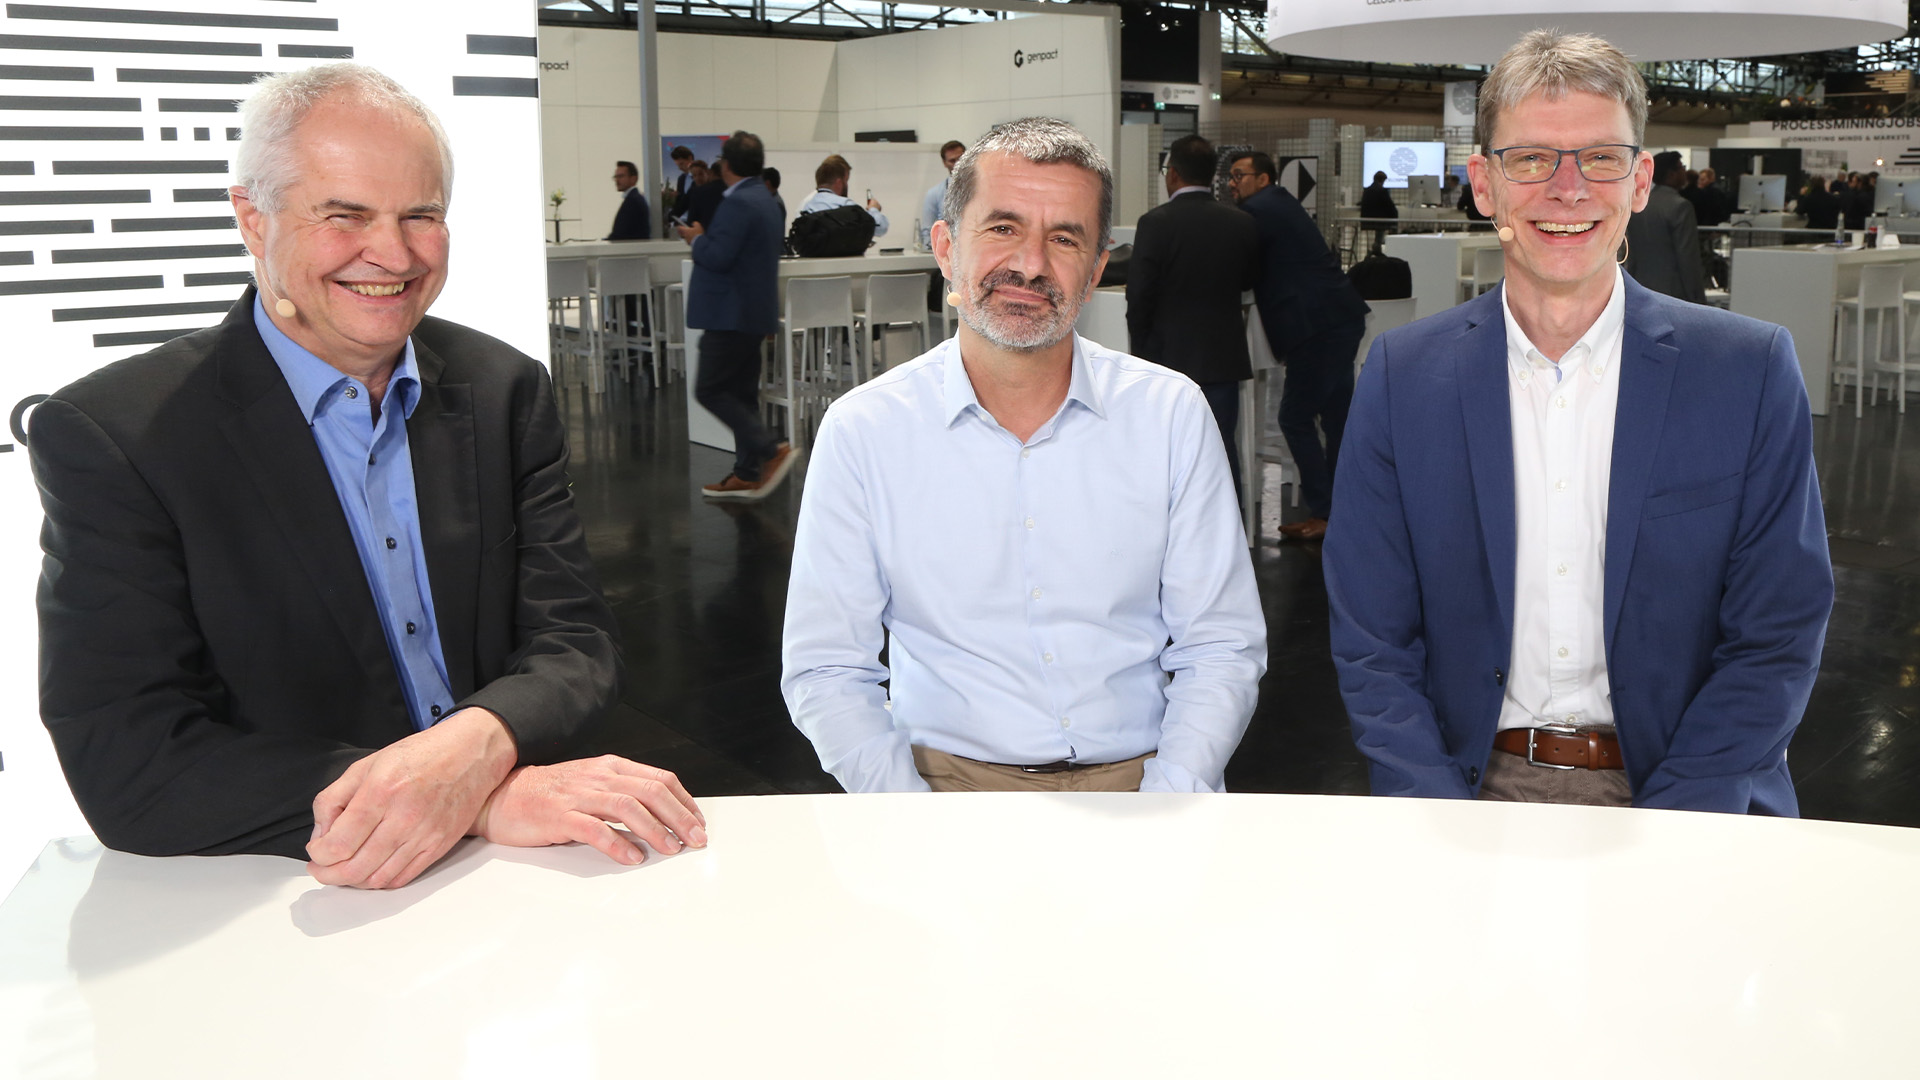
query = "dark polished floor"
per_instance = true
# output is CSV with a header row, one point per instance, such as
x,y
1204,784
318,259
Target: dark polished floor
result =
x,y
700,590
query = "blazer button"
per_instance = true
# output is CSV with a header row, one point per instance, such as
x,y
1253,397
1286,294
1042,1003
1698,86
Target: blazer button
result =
x,y
1473,775
1499,677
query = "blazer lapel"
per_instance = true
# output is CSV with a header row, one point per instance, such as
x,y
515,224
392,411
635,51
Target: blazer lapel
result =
x,y
1481,373
1647,363
275,446
447,488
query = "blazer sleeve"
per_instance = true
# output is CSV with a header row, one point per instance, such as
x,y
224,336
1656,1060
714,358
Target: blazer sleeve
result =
x,y
564,671
1686,254
1374,603
1775,602
138,716
1143,286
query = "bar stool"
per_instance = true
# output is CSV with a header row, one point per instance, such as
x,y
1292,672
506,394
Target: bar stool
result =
x,y
621,281
673,305
893,300
820,311
567,280
1882,290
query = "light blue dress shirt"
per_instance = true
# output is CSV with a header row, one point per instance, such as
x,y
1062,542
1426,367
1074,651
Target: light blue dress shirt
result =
x,y
372,472
1026,593
932,204
824,199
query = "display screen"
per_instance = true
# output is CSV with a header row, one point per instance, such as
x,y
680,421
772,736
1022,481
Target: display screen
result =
x,y
1400,160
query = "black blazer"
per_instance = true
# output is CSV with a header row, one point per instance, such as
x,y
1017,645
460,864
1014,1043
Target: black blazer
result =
x,y
1663,247
1301,292
703,200
210,654
1192,258
632,222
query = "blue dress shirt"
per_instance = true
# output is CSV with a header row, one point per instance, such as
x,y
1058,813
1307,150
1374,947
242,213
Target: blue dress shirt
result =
x,y
1026,593
372,473
826,199
932,205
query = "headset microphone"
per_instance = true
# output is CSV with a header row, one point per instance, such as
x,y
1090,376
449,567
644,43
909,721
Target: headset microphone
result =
x,y
281,305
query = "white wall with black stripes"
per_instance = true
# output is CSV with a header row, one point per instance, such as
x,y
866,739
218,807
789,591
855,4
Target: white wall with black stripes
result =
x,y
117,127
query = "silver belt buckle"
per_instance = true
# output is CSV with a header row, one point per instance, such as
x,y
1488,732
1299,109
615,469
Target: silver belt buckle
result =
x,y
1562,729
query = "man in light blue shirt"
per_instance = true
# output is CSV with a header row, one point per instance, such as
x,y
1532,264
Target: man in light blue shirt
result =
x,y
936,197
831,180
1039,531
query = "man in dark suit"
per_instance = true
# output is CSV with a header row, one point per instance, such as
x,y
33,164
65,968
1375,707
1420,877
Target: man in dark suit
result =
x,y
1192,258
631,222
1663,245
1376,204
675,193
734,300
314,585
1580,554
1314,320
703,197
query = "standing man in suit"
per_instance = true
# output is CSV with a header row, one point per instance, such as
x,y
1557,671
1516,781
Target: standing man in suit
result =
x,y
674,195
734,299
1376,203
1663,246
703,196
1192,258
1580,554
631,222
1314,320
314,585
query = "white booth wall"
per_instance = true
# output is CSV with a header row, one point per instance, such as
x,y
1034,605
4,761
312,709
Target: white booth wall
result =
x,y
147,254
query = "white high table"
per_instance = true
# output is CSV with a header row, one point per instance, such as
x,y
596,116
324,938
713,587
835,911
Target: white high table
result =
x,y
1002,935
1796,286
1437,262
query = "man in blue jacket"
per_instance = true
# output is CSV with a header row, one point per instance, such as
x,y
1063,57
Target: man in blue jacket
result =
x,y
1580,555
734,298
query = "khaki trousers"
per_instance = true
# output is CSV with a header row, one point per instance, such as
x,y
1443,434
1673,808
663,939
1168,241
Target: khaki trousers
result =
x,y
949,772
1510,779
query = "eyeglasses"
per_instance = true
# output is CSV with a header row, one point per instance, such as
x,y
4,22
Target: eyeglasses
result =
x,y
1237,175
1537,164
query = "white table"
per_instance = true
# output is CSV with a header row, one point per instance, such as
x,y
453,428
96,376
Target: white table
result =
x,y
1002,935
705,428
1796,285
1437,262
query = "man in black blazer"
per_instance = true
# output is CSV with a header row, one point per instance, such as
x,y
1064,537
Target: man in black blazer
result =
x,y
631,221
1663,243
1314,320
1192,258
314,585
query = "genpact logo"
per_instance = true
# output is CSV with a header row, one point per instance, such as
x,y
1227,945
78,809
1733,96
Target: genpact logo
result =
x,y
1022,58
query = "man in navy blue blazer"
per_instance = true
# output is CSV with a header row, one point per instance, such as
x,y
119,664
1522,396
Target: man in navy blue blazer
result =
x,y
1580,555
734,298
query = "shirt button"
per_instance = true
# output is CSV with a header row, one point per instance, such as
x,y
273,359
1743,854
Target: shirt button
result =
x,y
1561,569
1036,594
1065,723
1029,523
435,710
353,392
1047,657
391,544
410,629
1572,718
373,459
1562,654
1560,402
1559,485
1026,453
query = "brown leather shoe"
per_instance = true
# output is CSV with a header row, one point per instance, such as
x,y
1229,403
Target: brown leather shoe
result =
x,y
1310,529
775,468
732,487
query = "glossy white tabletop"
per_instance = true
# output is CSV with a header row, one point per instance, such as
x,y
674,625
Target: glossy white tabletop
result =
x,y
992,935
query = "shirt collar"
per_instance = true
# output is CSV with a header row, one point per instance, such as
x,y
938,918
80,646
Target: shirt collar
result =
x,y
1591,354
959,388
311,379
1190,187
735,186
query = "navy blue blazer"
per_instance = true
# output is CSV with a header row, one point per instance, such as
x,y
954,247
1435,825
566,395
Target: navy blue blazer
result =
x,y
736,265
1717,579
1301,292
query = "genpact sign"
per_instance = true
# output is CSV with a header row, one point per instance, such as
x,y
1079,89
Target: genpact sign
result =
x,y
1021,58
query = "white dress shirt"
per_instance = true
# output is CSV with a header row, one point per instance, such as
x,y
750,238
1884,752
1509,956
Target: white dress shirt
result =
x,y
932,205
1562,462
825,199
1025,593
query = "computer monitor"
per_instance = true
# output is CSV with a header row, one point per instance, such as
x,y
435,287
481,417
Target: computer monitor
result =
x,y
1423,191
1400,160
1890,196
1763,192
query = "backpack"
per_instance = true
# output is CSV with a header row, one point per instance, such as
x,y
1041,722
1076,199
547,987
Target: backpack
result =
x,y
1382,277
843,230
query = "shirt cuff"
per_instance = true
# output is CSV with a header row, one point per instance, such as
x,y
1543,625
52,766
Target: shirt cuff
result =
x,y
1164,775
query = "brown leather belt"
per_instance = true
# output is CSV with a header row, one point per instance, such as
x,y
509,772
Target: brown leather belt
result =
x,y
1060,766
1597,748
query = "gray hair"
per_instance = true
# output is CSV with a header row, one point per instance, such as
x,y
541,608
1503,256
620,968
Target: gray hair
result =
x,y
1552,63
274,108
1041,140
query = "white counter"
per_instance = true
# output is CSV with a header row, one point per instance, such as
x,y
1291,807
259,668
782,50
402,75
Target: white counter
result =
x,y
1437,262
1795,286
1002,935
